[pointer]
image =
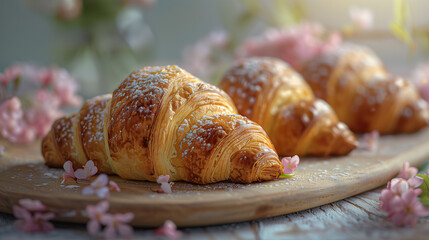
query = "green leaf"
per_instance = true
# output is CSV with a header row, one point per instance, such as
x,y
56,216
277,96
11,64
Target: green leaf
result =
x,y
284,175
425,186
425,201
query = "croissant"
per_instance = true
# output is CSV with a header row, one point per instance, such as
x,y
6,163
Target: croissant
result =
x,y
269,92
163,120
363,94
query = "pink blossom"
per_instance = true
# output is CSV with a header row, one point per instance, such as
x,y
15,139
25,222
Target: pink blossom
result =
x,y
400,201
114,186
398,186
420,78
294,45
361,17
407,171
12,124
69,171
415,182
56,88
65,87
95,214
10,74
169,229
406,209
165,186
88,170
98,187
117,224
32,205
370,141
290,164
36,222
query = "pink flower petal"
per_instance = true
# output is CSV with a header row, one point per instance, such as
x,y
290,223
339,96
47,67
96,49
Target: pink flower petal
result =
x,y
166,187
46,227
125,230
20,212
32,205
399,186
290,164
81,174
93,227
100,181
90,168
25,226
415,182
407,171
421,210
168,229
102,192
110,232
68,167
163,178
370,141
114,186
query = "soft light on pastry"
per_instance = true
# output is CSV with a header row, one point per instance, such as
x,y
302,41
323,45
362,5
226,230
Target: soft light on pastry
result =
x,y
269,92
163,120
364,95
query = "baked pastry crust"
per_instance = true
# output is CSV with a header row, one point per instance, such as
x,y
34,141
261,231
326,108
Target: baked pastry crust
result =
x,y
269,92
163,120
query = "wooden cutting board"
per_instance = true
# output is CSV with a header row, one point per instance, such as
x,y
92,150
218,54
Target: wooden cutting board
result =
x,y
318,181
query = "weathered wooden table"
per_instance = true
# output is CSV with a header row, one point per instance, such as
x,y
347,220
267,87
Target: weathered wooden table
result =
x,y
357,217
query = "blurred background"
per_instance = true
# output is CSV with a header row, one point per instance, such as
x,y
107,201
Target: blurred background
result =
x,y
101,41
65,51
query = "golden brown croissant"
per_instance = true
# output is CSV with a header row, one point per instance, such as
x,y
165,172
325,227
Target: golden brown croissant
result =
x,y
269,92
356,84
162,120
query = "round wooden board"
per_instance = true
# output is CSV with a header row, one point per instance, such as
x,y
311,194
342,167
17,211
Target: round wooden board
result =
x,y
318,181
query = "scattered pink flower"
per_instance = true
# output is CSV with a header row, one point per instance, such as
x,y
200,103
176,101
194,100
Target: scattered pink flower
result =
x,y
98,187
88,170
32,205
165,185
32,222
95,214
69,171
361,17
114,186
407,171
370,141
290,164
406,209
117,225
294,45
169,229
400,201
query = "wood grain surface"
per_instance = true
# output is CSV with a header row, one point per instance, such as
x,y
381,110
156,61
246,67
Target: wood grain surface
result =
x,y
318,181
